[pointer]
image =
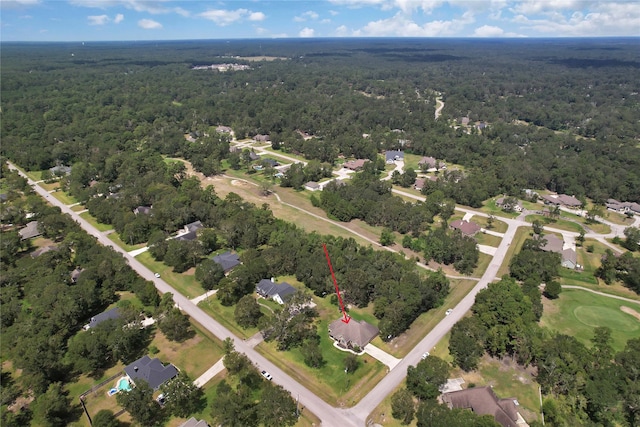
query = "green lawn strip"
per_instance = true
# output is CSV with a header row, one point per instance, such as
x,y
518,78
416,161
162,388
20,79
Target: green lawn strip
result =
x,y
491,208
49,186
64,197
269,303
618,218
115,238
483,263
597,227
488,239
382,414
33,175
560,224
576,277
225,316
78,208
577,313
411,161
522,234
186,284
400,346
282,159
497,225
329,382
94,222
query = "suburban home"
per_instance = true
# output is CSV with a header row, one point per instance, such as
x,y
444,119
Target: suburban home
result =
x,y
142,210
623,207
279,292
44,250
227,261
355,165
270,162
569,258
481,125
253,156
190,231
353,335
553,243
430,163
561,199
262,138
29,231
75,274
312,186
192,422
393,155
190,137
464,121
419,184
60,170
468,228
114,313
151,370
517,207
224,129
483,401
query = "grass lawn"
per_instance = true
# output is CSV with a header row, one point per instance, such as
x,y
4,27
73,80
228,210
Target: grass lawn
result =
x,y
33,175
561,224
618,218
522,234
94,222
50,186
488,239
491,208
483,263
64,197
276,152
115,238
411,161
185,283
577,313
401,345
78,208
497,225
225,316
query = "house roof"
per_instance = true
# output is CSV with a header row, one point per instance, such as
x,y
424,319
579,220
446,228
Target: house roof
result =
x,y
570,255
151,370
393,155
225,129
60,170
466,227
483,401
44,250
270,289
562,199
191,235
553,244
227,260
30,230
262,138
419,183
114,313
146,210
355,164
271,162
312,185
355,332
193,226
75,274
192,422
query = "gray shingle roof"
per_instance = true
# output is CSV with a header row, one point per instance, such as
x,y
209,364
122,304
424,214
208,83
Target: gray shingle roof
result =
x,y
269,289
114,313
483,401
227,260
355,332
151,370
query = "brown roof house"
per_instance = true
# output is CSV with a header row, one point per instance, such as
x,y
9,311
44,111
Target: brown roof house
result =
x,y
431,163
561,199
262,138
354,335
483,401
468,228
569,258
312,186
29,231
355,165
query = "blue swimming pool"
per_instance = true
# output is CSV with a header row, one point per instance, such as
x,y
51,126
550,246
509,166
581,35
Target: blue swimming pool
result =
x,y
124,384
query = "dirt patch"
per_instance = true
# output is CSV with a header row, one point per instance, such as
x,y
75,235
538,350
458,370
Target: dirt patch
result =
x,y
630,311
240,183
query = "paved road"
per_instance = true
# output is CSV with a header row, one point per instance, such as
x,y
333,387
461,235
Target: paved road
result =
x,y
328,415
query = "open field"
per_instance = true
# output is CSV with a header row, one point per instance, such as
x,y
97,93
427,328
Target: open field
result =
x,y
115,238
94,222
185,283
225,316
577,313
497,225
64,197
488,239
561,224
491,208
522,234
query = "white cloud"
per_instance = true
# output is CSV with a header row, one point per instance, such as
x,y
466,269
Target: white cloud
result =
x,y
148,6
18,4
326,21
98,19
307,32
333,12
537,6
308,15
149,24
118,19
401,25
181,11
256,16
488,31
342,31
225,17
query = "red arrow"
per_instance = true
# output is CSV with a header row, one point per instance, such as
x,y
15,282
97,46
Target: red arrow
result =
x,y
345,317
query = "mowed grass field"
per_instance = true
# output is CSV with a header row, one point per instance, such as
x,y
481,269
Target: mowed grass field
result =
x,y
577,313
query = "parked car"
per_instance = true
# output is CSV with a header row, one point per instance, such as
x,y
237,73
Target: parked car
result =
x,y
425,355
161,399
448,312
267,375
157,274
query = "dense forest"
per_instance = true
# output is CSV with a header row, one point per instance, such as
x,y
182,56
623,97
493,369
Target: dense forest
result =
x,y
560,113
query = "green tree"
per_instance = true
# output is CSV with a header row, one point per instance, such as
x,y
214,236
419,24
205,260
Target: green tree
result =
x,y
234,408
276,407
552,289
105,418
402,406
247,312
182,396
312,354
425,379
52,408
139,403
466,344
351,363
386,237
209,273
632,241
175,325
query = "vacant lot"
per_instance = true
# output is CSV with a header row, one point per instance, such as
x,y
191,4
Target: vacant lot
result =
x,y
577,313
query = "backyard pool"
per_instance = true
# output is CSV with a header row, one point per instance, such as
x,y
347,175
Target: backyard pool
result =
x,y
124,384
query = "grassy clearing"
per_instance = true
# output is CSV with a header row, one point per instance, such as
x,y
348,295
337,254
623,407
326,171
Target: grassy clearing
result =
x,y
522,234
94,222
483,263
185,283
577,313
50,186
411,161
401,345
488,239
491,208
618,218
561,224
497,225
115,238
225,316
78,208
64,197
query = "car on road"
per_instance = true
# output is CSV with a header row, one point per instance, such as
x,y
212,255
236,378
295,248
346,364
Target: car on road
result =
x,y
267,375
157,274
425,355
448,312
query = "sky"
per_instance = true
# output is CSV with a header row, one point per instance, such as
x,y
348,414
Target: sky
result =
x,y
111,20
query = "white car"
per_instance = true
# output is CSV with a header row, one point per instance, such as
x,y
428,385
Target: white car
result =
x,y
425,355
267,375
157,274
448,312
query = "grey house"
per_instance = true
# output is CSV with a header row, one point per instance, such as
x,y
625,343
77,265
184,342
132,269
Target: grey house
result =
x,y
279,292
227,261
114,313
151,370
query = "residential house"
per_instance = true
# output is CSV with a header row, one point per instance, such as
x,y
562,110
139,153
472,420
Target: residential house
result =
x,y
468,228
392,156
253,156
623,207
144,210
353,335
279,292
483,401
262,138
193,226
75,274
464,121
569,259
561,200
431,163
29,231
224,129
270,162
60,170
312,186
505,203
227,261
114,313
355,165
190,231
481,125
192,422
419,184
44,250
553,243
4,197
151,370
